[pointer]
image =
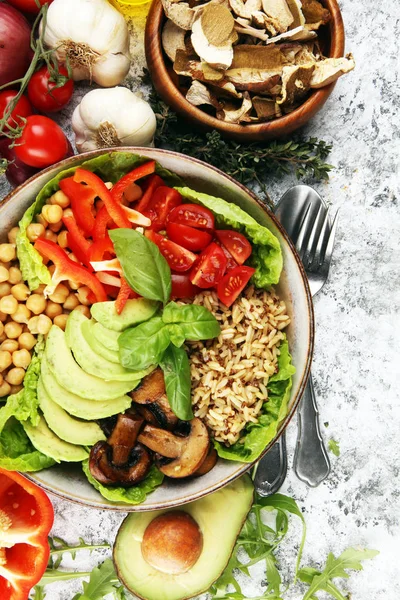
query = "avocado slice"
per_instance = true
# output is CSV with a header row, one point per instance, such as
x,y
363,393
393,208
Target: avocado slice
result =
x,y
135,311
77,406
96,346
74,431
106,337
51,445
71,377
220,517
89,360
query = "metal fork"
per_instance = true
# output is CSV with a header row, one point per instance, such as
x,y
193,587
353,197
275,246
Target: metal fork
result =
x,y
306,218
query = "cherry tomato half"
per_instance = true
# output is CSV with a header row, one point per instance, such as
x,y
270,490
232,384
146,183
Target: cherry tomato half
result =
x,y
161,204
235,243
178,258
29,5
22,108
233,283
210,267
44,94
182,287
188,237
42,142
192,215
231,262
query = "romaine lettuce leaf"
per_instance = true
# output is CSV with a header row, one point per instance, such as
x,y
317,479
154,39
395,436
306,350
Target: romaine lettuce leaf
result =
x,y
16,451
267,254
110,167
133,495
258,435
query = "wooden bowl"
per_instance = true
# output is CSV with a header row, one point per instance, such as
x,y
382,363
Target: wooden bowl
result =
x,y
166,83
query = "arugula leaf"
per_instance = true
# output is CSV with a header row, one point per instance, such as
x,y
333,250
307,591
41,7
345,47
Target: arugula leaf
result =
x,y
333,446
143,265
196,322
59,547
103,580
143,345
176,368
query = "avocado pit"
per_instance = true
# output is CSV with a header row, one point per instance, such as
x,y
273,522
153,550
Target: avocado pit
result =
x,y
172,543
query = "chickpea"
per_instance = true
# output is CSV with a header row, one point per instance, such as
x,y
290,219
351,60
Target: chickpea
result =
x,y
56,226
13,330
40,219
1,379
21,358
52,213
44,324
84,309
5,289
3,317
132,193
4,389
7,252
1,328
61,321
72,256
3,337
33,325
8,305
62,239
109,185
68,212
71,302
22,314
9,346
20,291
14,389
34,231
5,359
26,341
60,294
40,289
12,235
53,309
15,376
14,275
73,285
50,235
60,199
83,295
36,303
4,274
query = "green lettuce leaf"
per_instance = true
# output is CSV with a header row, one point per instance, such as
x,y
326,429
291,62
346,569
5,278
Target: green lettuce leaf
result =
x,y
258,435
266,256
16,451
133,495
110,167
24,404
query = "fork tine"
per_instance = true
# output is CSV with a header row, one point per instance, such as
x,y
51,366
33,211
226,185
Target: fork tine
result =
x,y
312,240
321,244
326,258
303,230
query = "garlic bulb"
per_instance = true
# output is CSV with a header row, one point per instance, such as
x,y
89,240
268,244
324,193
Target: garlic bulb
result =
x,y
93,36
112,117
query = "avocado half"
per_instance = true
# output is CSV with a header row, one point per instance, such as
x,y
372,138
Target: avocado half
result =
x,y
219,516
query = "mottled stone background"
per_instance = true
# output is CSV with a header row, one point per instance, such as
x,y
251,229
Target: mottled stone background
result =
x,y
356,364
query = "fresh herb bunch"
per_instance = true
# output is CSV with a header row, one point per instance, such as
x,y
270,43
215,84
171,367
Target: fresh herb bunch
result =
x,y
246,162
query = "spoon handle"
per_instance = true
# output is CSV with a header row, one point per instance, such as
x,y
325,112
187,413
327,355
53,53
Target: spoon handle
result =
x,y
311,462
272,468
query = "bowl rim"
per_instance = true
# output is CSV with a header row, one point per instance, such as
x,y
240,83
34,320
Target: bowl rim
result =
x,y
275,128
76,159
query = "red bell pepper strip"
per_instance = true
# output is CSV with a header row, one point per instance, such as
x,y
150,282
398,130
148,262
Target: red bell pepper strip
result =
x,y
79,245
136,217
68,269
123,296
26,517
98,186
100,247
82,200
154,182
108,279
107,265
118,189
102,223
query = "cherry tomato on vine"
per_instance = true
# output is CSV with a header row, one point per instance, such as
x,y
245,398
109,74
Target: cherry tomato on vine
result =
x,y
22,108
43,93
30,6
42,142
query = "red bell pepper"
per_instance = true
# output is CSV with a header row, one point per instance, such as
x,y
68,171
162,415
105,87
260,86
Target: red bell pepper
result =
x,y
107,265
100,247
102,223
79,245
123,296
118,189
82,200
68,269
98,186
26,517
154,182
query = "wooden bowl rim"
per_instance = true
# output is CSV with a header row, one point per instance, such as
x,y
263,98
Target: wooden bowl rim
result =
x,y
173,96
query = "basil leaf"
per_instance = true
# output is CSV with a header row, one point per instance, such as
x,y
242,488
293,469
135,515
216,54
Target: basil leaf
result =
x,y
143,265
143,345
176,335
175,365
196,322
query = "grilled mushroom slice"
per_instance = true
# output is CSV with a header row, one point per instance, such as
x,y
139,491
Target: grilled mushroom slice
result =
x,y
152,402
208,463
121,461
187,452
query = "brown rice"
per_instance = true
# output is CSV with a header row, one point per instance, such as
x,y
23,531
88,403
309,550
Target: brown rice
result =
x,y
230,373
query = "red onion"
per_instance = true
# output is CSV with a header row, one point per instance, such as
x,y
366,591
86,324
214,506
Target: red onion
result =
x,y
17,171
15,49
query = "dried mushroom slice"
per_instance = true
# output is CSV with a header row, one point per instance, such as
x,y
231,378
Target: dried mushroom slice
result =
x,y
217,24
219,57
246,29
231,114
264,107
225,89
279,11
304,35
253,80
297,13
173,39
288,35
198,95
296,82
188,65
211,74
314,12
265,58
180,13
245,10
328,70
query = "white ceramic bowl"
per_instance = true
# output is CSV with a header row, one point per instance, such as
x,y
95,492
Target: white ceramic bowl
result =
x,y
67,480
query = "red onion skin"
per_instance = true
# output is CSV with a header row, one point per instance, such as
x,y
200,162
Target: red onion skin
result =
x,y
15,50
